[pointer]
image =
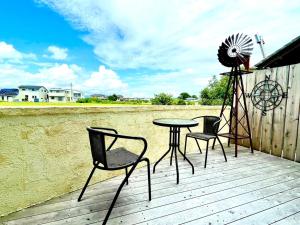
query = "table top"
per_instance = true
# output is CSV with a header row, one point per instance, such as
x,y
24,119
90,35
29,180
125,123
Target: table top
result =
x,y
175,122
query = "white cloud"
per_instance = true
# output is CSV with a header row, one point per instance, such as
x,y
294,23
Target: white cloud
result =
x,y
62,75
172,82
57,75
8,51
51,74
176,34
57,52
105,80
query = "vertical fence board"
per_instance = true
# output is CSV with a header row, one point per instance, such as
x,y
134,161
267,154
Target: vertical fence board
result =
x,y
267,123
298,140
292,113
279,113
257,115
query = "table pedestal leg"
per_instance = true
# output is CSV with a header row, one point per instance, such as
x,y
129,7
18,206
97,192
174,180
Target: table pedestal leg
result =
x,y
164,155
174,143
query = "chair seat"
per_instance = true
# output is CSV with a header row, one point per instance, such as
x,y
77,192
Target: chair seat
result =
x,y
201,136
120,157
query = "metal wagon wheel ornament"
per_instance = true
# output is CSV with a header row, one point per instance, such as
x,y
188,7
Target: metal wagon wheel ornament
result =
x,y
235,50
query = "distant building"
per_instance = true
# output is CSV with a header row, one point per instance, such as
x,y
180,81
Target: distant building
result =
x,y
73,95
136,99
30,93
120,97
191,99
63,95
8,94
99,96
57,95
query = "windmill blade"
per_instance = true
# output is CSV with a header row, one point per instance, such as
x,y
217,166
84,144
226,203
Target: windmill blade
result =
x,y
238,41
236,38
245,40
235,50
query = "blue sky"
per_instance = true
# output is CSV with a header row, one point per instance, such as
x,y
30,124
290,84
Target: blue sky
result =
x,y
133,47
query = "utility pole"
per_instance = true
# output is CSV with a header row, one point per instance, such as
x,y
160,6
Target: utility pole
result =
x,y
261,42
71,93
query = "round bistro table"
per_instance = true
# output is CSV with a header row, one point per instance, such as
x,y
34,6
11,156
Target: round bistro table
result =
x,y
174,139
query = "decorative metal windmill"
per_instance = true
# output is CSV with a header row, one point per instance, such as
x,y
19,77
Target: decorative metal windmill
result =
x,y
234,52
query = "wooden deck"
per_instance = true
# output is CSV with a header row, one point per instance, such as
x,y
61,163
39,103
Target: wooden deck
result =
x,y
251,189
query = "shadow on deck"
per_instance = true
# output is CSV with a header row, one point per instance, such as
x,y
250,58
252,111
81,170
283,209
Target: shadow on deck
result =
x,y
251,189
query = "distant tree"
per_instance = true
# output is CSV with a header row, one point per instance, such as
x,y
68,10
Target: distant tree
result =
x,y
162,99
180,102
113,97
214,93
184,95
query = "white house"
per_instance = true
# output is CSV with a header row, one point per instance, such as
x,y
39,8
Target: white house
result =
x,y
30,93
8,94
57,95
63,95
73,95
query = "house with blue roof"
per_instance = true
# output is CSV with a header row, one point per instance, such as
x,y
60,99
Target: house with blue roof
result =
x,y
9,94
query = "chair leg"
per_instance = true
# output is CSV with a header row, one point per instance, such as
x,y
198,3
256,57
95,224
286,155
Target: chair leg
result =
x,y
149,179
213,146
117,194
222,148
206,153
198,146
126,173
185,143
86,184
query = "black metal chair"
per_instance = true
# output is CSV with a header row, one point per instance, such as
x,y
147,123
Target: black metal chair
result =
x,y
210,131
114,159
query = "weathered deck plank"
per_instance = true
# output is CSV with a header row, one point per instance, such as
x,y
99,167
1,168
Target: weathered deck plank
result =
x,y
250,189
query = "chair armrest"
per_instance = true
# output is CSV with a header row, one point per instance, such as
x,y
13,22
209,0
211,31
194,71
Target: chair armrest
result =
x,y
198,117
106,129
116,136
131,138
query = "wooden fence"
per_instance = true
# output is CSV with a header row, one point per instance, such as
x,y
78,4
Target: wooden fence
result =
x,y
278,132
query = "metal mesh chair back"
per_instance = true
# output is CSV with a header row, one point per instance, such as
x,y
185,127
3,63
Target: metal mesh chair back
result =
x,y
211,124
97,143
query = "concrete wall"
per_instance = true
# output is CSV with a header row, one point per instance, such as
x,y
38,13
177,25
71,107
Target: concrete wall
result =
x,y
44,152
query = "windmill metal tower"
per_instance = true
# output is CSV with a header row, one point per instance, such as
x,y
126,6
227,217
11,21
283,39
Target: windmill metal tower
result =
x,y
233,52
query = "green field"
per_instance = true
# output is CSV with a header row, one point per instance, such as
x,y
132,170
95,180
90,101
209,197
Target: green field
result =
x,y
47,104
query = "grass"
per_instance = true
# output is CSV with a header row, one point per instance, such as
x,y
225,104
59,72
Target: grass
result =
x,y
47,104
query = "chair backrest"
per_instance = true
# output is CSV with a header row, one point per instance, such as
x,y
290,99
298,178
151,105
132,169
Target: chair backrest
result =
x,y
97,143
211,124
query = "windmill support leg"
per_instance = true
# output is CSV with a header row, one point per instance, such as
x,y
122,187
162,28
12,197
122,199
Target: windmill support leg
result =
x,y
247,116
